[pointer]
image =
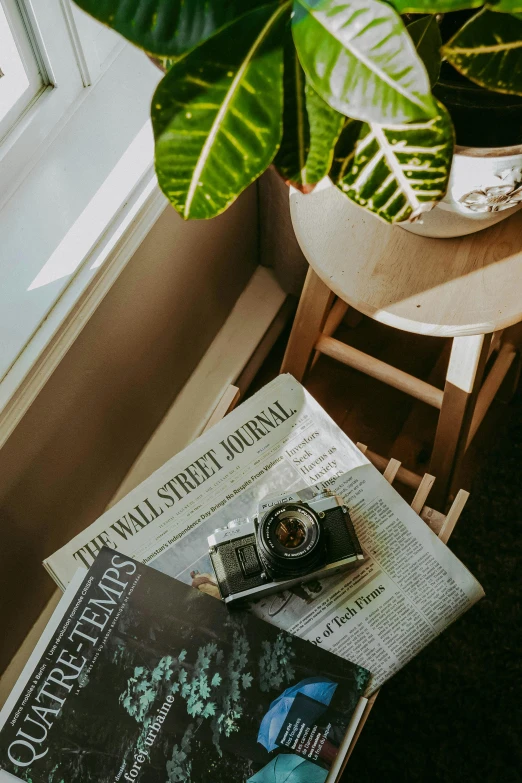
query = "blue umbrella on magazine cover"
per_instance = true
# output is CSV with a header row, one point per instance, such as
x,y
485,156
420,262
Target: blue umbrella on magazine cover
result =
x,y
288,768
321,689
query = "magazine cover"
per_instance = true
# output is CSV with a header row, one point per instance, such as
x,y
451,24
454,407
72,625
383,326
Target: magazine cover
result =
x,y
141,677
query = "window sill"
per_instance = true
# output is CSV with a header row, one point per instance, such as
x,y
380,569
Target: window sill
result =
x,y
72,225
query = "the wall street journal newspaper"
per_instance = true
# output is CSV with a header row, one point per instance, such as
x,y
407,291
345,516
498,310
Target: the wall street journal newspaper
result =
x,y
409,588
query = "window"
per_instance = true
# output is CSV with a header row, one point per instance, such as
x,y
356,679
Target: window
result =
x,y
20,77
53,54
77,184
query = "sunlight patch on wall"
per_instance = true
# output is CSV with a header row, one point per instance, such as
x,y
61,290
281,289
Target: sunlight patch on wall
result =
x,y
91,224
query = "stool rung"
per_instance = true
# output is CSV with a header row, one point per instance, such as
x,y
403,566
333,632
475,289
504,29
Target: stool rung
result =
x,y
422,493
405,476
380,370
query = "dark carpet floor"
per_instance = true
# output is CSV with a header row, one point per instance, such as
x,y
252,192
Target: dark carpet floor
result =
x,y
454,713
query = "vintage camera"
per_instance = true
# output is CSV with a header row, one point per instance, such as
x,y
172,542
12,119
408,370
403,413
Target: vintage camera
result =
x,y
290,542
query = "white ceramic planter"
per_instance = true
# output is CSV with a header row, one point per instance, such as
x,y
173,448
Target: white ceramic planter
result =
x,y
485,186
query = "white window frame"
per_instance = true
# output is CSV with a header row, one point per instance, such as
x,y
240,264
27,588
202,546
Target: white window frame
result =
x,y
67,65
78,193
15,43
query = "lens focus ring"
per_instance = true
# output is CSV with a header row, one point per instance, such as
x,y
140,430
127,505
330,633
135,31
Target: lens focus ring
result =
x,y
290,540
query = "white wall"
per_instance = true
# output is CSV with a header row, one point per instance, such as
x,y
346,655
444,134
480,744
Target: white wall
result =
x,y
69,454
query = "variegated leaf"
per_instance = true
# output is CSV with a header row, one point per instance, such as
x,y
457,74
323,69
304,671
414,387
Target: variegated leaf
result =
x,y
488,50
290,160
217,114
344,151
167,28
434,6
505,6
398,172
310,129
325,127
425,34
358,56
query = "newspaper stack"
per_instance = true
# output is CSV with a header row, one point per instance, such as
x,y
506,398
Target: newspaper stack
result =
x,y
409,588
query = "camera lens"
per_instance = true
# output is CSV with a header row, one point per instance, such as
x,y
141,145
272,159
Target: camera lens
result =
x,y
290,540
290,532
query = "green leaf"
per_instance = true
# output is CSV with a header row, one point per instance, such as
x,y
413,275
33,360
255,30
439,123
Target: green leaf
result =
x,y
167,27
488,51
358,56
344,151
425,34
505,6
325,127
217,114
310,128
290,160
434,6
398,172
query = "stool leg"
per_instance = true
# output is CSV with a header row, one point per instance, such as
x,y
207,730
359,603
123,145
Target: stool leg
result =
x,y
333,321
314,305
465,370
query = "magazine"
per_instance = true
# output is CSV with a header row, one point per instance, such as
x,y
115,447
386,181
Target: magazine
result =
x,y
280,441
138,676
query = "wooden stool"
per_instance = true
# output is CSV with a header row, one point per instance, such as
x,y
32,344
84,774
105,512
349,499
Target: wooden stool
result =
x,y
469,288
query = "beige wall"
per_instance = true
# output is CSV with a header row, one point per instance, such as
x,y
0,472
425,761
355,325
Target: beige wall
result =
x,y
69,454
278,245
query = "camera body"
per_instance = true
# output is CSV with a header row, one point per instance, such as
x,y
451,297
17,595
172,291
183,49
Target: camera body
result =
x,y
292,540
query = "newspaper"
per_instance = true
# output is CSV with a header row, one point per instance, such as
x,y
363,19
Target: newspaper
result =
x,y
278,440
409,588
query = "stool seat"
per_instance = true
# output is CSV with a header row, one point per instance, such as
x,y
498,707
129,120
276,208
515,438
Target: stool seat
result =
x,y
446,287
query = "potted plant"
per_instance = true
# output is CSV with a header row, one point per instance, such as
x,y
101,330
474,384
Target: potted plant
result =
x,y
372,94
